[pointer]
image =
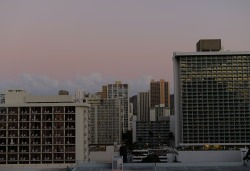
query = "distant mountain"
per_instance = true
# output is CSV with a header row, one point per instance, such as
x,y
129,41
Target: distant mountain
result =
x,y
133,100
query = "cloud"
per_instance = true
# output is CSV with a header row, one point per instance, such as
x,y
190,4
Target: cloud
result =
x,y
140,84
38,84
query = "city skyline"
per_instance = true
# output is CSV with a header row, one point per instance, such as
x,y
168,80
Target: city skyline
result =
x,y
51,45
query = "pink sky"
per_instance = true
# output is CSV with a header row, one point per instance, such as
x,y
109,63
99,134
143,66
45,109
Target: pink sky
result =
x,y
63,44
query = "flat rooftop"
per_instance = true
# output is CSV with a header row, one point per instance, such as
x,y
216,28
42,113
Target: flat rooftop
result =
x,y
212,53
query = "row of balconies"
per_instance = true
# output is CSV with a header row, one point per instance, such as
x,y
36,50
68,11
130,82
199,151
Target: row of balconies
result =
x,y
217,124
225,101
198,111
226,107
15,118
215,103
37,160
25,110
215,73
235,139
214,97
210,65
37,127
210,95
221,116
37,154
36,143
189,65
214,110
34,152
223,119
36,112
189,96
44,148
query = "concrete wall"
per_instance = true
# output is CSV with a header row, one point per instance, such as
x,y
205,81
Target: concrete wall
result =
x,y
15,96
209,156
35,167
103,156
81,134
52,99
172,123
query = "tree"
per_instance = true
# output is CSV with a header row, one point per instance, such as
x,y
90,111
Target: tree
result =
x,y
151,158
170,138
127,139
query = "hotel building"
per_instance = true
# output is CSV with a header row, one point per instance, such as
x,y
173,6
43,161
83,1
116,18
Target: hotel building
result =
x,y
105,121
159,93
119,91
42,129
212,96
143,106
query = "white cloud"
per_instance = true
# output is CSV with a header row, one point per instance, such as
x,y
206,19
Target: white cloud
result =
x,y
44,85
140,84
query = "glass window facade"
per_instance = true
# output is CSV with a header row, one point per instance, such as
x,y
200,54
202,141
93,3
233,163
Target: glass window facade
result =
x,y
214,98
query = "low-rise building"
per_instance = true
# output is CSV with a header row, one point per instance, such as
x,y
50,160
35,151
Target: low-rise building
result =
x,y
43,129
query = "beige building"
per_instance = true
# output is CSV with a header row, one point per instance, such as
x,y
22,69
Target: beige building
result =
x,y
119,91
159,93
105,121
43,129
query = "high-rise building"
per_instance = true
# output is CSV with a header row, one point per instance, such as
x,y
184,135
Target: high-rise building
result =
x,y
130,117
119,91
151,134
104,120
159,93
42,129
153,119
212,98
143,106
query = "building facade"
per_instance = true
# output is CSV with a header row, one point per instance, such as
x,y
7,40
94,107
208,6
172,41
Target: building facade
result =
x,y
212,98
105,121
152,134
43,130
159,113
119,91
159,93
143,106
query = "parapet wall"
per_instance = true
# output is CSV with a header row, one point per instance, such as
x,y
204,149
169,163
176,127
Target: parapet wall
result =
x,y
210,156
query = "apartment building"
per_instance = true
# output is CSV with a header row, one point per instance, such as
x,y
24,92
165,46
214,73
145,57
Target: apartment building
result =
x,y
212,96
152,126
42,129
119,91
143,106
152,134
105,121
159,93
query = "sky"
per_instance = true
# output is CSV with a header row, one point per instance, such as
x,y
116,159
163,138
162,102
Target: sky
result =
x,y
49,45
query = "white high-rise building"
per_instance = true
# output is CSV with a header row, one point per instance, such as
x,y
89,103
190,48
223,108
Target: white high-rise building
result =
x,y
212,97
119,91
